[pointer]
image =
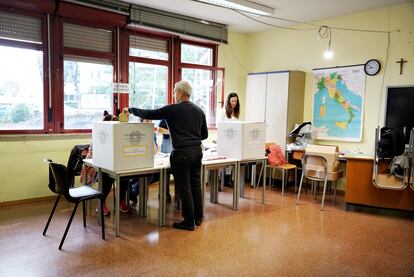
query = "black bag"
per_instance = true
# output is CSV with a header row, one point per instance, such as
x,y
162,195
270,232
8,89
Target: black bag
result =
x,y
391,143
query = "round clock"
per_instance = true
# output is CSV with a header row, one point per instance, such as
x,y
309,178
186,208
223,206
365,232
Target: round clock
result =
x,y
372,67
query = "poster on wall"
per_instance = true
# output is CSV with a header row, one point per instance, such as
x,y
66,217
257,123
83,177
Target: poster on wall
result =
x,y
338,103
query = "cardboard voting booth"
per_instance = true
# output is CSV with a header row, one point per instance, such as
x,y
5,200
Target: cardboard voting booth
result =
x,y
241,139
331,154
123,146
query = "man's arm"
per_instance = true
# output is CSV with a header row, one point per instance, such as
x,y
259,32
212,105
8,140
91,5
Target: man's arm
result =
x,y
156,114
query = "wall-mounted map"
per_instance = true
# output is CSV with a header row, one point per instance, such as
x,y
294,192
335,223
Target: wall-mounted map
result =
x,y
338,103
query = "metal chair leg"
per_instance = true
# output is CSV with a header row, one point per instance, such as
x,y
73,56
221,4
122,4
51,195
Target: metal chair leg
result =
x,y
102,217
283,182
335,192
300,187
296,176
68,226
84,213
324,191
51,215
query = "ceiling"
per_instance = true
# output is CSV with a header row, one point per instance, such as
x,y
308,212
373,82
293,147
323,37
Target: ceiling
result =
x,y
297,10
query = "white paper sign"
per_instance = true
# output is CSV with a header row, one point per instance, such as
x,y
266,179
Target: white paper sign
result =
x,y
133,151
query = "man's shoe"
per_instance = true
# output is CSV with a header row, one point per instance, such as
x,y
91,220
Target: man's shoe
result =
x,y
183,226
198,221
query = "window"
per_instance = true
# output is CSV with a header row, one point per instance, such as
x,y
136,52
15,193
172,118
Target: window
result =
x,y
201,81
21,89
87,91
148,71
148,85
88,75
197,67
196,54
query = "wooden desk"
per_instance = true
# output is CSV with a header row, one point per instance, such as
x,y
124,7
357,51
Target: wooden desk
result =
x,y
360,190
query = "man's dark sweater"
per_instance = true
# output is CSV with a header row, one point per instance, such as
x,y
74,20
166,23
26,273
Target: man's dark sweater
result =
x,y
186,122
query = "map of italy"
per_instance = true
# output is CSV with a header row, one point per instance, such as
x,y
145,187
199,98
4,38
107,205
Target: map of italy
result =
x,y
338,98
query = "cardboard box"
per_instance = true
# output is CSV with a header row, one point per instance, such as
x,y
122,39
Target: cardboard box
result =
x,y
123,146
241,139
331,154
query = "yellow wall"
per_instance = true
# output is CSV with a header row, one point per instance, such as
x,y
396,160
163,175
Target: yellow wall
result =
x,y
23,174
233,58
288,50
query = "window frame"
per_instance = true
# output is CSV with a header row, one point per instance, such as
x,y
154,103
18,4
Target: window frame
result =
x,y
84,53
38,47
179,66
52,19
168,63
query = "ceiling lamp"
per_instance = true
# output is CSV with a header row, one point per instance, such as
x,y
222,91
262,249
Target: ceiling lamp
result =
x,y
241,5
326,32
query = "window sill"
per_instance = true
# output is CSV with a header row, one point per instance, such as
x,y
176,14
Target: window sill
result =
x,y
18,137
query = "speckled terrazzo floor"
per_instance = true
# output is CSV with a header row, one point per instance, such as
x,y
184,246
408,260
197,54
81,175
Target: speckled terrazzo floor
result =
x,y
278,239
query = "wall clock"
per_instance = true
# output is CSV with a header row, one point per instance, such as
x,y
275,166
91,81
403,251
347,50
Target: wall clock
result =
x,y
372,67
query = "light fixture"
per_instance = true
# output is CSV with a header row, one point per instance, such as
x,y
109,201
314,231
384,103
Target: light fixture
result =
x,y
241,5
325,32
328,54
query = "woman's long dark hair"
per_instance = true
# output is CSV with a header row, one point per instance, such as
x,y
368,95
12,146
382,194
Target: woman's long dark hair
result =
x,y
229,110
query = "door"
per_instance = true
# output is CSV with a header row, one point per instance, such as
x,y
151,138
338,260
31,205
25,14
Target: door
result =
x,y
277,86
256,97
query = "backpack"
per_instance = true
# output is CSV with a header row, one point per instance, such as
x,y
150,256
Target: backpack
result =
x,y
391,143
275,155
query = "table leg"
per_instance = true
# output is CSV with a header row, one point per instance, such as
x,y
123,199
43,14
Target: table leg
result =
x,y
162,199
141,207
236,186
117,196
203,188
264,181
240,174
253,177
100,189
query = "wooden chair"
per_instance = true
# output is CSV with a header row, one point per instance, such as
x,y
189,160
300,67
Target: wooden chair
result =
x,y
284,169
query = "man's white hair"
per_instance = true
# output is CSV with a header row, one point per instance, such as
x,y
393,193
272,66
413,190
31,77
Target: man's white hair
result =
x,y
184,86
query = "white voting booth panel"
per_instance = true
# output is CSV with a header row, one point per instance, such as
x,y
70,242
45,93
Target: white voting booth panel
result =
x,y
123,146
241,139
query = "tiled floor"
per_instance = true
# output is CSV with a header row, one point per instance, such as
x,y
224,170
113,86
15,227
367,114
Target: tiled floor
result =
x,y
278,239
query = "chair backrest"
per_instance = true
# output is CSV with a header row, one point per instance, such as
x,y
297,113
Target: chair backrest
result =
x,y
75,161
314,166
60,181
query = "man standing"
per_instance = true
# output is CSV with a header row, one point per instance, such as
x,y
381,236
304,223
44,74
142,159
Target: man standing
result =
x,y
187,124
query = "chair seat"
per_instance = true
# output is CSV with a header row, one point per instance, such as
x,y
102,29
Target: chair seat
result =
x,y
284,167
83,192
287,166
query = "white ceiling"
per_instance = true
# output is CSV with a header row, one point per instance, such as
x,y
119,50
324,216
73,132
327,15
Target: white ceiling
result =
x,y
298,10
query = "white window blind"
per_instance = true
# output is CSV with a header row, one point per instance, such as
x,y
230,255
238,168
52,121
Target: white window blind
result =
x,y
20,27
146,43
144,16
77,36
